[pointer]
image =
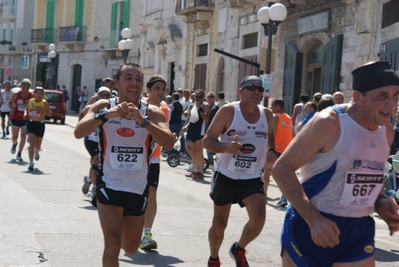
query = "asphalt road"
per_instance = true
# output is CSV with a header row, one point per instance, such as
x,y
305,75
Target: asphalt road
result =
x,y
45,220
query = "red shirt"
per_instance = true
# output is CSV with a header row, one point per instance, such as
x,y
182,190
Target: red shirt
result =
x,y
19,106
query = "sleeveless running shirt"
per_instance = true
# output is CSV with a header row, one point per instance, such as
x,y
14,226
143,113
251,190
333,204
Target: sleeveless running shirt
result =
x,y
36,109
155,156
346,181
301,115
19,106
124,150
283,134
6,95
249,162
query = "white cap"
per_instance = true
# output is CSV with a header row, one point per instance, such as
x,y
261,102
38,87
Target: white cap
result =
x,y
103,88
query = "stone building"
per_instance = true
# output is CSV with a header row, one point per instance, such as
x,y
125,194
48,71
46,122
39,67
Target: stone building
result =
x,y
202,43
15,49
86,34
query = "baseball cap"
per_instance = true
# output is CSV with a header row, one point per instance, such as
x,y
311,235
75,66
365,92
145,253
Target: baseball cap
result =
x,y
103,88
374,75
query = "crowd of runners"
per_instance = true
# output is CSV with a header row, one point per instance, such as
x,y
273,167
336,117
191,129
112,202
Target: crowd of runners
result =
x,y
327,159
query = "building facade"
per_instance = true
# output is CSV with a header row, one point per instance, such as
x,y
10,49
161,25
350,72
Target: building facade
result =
x,y
203,44
15,47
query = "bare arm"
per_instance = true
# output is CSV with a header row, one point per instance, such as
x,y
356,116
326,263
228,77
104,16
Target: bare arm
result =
x,y
295,113
158,128
223,118
92,99
272,123
88,124
320,135
11,102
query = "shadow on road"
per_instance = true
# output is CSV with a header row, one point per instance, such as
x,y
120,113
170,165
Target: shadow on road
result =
x,y
386,256
152,258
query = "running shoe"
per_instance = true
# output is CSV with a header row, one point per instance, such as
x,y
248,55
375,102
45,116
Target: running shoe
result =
x,y
282,202
37,156
214,263
4,136
190,174
86,184
14,148
198,175
7,130
30,167
147,242
19,158
238,255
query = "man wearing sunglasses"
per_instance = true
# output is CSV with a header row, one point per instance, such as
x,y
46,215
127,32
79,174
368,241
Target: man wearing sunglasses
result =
x,y
91,144
243,140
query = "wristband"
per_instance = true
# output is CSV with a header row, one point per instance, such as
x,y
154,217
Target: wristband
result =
x,y
271,149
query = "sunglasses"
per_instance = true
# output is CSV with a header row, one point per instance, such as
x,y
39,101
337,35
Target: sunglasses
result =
x,y
105,95
211,96
254,88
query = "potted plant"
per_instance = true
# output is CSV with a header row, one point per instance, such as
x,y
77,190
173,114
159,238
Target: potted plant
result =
x,y
24,43
11,48
3,42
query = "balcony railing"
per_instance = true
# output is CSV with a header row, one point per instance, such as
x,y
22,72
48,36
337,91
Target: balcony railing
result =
x,y
72,34
184,6
43,36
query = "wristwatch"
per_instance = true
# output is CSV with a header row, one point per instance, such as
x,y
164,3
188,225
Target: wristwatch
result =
x,y
100,115
146,121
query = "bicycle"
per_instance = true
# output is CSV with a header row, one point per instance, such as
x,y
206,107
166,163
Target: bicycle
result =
x,y
174,159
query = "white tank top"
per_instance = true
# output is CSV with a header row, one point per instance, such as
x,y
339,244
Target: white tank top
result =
x,y
249,162
347,180
6,98
124,150
300,116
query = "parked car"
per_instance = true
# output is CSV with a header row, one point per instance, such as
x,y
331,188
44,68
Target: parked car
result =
x,y
57,104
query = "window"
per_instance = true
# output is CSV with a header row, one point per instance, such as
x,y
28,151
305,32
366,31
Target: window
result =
x,y
315,55
119,20
250,40
202,50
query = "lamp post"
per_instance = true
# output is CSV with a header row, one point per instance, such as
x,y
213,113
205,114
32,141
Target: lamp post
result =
x,y
51,55
270,17
126,44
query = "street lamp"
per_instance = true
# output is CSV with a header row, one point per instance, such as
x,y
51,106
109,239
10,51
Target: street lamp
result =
x,y
126,44
51,55
270,17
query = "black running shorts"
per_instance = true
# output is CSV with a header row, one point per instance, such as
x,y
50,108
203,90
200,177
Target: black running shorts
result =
x,y
132,204
92,147
153,175
225,190
35,127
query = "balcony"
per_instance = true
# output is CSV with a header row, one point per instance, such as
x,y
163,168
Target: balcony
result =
x,y
201,8
8,11
41,38
12,49
244,3
72,36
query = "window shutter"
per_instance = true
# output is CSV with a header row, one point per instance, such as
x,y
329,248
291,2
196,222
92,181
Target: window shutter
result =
x,y
50,9
79,12
126,12
112,43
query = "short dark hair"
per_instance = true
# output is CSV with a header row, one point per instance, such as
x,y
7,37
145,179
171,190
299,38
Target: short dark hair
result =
x,y
304,98
325,101
154,79
176,96
279,102
107,80
221,95
132,64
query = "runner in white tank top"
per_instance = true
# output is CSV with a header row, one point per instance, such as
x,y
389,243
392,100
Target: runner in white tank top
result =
x,y
242,137
122,180
342,152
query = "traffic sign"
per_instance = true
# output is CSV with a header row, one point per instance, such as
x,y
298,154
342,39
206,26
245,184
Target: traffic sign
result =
x,y
9,72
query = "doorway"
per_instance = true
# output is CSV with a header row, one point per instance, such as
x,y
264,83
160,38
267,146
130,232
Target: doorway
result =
x,y
76,80
313,70
171,78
